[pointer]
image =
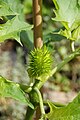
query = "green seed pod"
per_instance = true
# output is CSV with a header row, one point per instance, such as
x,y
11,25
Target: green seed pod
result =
x,y
40,62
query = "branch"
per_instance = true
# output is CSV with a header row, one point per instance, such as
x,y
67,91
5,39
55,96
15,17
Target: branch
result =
x,y
40,100
58,67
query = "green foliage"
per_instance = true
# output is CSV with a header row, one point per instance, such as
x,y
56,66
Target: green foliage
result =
x,y
27,39
68,13
50,37
40,62
12,30
13,13
68,112
13,90
9,8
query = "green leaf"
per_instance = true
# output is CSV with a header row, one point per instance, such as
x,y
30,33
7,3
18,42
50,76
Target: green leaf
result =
x,y
28,42
12,29
15,6
69,112
68,13
10,7
51,37
5,9
13,90
76,34
66,33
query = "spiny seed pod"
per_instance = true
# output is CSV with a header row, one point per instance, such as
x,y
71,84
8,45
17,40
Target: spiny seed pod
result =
x,y
40,62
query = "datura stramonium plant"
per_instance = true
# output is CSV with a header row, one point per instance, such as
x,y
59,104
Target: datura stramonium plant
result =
x,y
40,62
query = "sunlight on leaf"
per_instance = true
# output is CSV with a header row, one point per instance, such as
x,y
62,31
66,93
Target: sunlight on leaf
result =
x,y
69,112
12,29
68,13
10,7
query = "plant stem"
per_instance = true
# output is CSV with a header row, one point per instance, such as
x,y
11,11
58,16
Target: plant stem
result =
x,y
41,101
72,46
37,20
29,114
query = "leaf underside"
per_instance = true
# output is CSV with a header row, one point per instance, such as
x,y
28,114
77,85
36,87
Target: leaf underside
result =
x,y
13,90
